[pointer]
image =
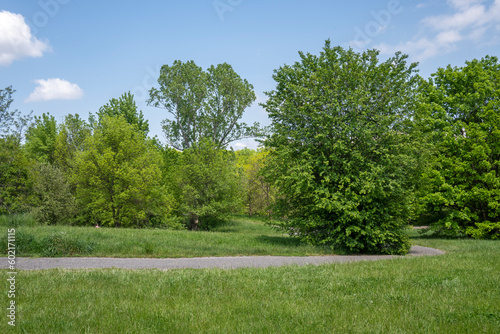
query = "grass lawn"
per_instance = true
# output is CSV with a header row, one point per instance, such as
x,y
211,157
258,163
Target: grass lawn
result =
x,y
458,292
453,293
241,236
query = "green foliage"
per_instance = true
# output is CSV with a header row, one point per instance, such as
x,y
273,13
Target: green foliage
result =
x,y
55,204
61,244
126,107
15,181
460,116
118,177
208,185
70,140
258,194
41,139
204,105
342,155
11,121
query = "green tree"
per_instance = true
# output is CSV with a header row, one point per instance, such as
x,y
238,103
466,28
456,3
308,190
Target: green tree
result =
x,y
342,155
15,182
461,117
41,138
208,185
70,140
118,177
203,104
11,121
126,107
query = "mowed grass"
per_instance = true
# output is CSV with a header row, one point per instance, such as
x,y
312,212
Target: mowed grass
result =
x,y
458,292
241,236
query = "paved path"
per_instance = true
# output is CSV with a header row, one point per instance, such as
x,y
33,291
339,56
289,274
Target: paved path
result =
x,y
200,262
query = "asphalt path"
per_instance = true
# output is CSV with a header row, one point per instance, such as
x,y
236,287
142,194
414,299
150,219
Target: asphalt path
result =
x,y
199,262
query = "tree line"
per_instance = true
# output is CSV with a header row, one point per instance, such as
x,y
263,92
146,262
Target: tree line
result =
x,y
358,148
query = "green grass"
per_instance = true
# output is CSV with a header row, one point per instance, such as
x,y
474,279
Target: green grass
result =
x,y
454,293
241,236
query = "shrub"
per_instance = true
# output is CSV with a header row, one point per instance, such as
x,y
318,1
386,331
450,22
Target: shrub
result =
x,y
55,204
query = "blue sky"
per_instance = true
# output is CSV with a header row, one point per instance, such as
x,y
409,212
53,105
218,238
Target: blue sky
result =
x,y
73,56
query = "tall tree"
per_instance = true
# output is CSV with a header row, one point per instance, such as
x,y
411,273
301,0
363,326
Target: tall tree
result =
x,y
228,95
125,106
118,177
461,117
341,154
203,104
11,121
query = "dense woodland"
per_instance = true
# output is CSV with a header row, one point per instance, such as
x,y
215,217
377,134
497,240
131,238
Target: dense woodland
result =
x,y
358,148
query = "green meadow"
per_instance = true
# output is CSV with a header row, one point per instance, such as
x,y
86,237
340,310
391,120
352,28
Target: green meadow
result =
x,y
452,293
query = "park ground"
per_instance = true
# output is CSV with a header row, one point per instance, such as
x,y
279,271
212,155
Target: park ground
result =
x,y
452,293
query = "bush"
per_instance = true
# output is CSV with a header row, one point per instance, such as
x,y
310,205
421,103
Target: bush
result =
x,y
60,244
55,204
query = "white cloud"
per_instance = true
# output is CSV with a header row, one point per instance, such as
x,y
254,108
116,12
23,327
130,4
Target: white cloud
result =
x,y
469,16
55,89
440,34
16,40
463,4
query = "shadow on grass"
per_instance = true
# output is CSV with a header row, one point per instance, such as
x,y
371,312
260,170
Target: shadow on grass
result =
x,y
429,234
279,240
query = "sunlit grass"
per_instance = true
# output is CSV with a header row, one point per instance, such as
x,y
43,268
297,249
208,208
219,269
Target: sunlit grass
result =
x,y
453,293
241,236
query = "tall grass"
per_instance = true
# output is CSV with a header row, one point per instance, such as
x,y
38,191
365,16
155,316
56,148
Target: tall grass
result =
x,y
241,236
18,219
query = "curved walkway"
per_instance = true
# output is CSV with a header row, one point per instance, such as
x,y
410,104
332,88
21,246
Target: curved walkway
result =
x,y
200,262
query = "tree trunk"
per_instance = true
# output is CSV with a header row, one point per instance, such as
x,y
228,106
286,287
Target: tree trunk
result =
x,y
193,222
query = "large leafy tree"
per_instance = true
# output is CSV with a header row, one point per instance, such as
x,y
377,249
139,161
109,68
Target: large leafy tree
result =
x,y
118,177
204,105
461,117
341,154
